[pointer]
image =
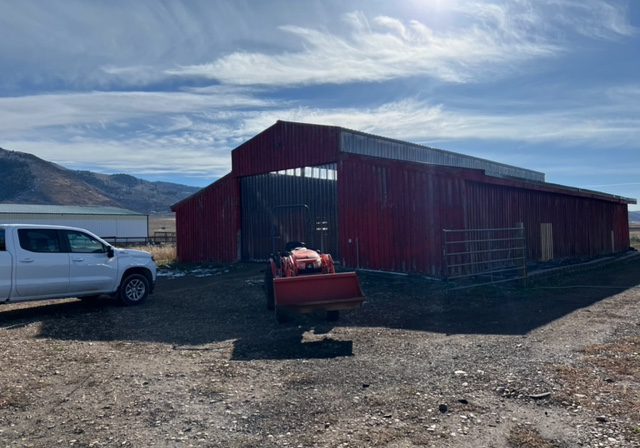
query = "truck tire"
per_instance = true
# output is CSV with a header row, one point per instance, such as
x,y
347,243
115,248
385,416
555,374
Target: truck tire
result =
x,y
282,316
268,288
333,315
134,289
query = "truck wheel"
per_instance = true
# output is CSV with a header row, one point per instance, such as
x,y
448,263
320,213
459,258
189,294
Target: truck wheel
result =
x,y
134,289
268,288
333,315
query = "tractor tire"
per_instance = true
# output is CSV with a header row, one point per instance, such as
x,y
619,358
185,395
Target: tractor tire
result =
x,y
282,316
333,315
268,289
134,289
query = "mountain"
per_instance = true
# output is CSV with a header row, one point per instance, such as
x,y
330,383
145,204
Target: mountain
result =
x,y
27,179
634,216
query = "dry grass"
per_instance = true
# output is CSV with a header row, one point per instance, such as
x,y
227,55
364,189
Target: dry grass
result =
x,y
634,235
164,255
162,223
525,437
13,397
604,380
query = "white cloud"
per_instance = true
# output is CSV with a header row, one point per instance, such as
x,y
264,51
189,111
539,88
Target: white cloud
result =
x,y
19,114
382,49
95,45
198,144
419,121
488,39
141,156
593,18
458,41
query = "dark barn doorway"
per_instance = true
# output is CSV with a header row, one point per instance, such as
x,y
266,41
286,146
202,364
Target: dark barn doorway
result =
x,y
291,205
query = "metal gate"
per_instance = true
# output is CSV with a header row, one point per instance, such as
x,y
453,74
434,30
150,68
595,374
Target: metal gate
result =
x,y
489,254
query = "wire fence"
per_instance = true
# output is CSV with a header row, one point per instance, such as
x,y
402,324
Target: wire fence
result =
x,y
158,238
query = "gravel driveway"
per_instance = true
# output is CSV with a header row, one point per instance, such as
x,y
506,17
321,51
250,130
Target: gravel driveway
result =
x,y
203,363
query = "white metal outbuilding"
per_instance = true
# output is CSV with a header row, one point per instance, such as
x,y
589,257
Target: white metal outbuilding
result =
x,y
111,223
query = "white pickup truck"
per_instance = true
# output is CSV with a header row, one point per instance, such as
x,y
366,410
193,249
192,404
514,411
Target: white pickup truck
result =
x,y
48,262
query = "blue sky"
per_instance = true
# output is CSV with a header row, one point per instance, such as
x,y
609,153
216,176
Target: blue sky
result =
x,y
165,89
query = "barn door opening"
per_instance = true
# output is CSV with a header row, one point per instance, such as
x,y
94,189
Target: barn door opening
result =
x,y
291,205
291,222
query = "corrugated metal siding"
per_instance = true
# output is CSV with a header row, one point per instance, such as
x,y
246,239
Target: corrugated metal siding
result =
x,y
392,213
394,199
581,226
286,145
122,226
263,198
208,223
370,145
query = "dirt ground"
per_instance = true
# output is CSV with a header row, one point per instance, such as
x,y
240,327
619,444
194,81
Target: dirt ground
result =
x,y
203,363
162,222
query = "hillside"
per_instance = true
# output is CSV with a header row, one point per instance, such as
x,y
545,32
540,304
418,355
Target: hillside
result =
x,y
634,216
27,179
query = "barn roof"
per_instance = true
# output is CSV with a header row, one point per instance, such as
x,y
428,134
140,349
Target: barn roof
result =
x,y
39,209
293,144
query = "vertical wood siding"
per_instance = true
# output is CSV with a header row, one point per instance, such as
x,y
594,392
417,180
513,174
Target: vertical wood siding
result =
x,y
286,145
208,223
392,213
581,226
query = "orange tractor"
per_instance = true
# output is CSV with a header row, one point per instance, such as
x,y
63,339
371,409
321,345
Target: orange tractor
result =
x,y
303,280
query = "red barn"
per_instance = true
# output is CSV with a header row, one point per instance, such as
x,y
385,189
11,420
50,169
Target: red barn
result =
x,y
385,204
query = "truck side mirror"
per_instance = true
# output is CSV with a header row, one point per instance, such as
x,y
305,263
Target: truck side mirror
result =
x,y
110,252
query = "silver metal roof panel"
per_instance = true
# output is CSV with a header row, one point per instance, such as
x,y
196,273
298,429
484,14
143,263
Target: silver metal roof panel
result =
x,y
375,146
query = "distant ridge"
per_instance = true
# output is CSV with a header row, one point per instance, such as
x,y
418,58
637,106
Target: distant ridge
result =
x,y
27,179
634,217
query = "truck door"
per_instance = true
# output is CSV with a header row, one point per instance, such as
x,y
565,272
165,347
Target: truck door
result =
x,y
5,268
42,267
90,269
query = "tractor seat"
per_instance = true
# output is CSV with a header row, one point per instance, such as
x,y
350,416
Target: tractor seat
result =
x,y
291,245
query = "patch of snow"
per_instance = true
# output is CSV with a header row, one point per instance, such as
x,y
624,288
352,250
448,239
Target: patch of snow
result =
x,y
196,272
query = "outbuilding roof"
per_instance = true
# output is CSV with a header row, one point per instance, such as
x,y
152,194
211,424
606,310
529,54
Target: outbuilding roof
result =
x,y
291,144
38,209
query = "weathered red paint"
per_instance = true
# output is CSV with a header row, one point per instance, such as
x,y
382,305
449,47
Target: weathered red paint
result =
x,y
286,145
321,291
208,223
391,213
581,226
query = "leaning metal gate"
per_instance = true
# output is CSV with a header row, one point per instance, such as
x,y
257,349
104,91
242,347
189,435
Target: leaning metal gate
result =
x,y
491,255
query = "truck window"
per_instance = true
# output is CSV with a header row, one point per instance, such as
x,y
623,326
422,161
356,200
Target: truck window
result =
x,y
82,243
3,245
39,240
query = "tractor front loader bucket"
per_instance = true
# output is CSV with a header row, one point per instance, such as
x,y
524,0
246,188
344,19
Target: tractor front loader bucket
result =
x,y
330,292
